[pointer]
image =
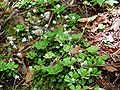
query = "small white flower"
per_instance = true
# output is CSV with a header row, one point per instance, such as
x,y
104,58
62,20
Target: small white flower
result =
x,y
47,15
69,53
27,30
46,25
61,44
52,28
29,6
38,32
34,10
19,54
9,49
28,13
38,21
76,45
82,64
73,79
33,32
79,60
54,22
85,62
22,34
66,16
41,15
70,38
80,51
58,16
31,21
58,5
24,39
1,86
57,46
14,46
110,38
36,27
11,42
57,35
10,59
65,25
72,68
10,38
73,17
17,30
101,89
45,1
66,32
86,3
90,70
30,67
45,36
30,37
101,26
17,77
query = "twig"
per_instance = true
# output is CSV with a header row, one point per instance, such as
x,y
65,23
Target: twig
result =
x,y
19,84
10,17
116,79
50,19
64,2
72,2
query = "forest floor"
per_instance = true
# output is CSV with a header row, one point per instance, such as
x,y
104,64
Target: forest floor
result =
x,y
20,28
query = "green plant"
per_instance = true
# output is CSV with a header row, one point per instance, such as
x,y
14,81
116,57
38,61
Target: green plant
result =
x,y
57,68
72,20
20,28
2,6
59,8
41,2
53,2
31,55
102,2
111,2
8,70
23,3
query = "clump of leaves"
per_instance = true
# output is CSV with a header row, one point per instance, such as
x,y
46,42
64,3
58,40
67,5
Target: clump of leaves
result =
x,y
2,6
72,20
8,70
58,67
20,28
59,8
103,2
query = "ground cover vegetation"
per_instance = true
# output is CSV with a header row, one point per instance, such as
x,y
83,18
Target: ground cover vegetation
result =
x,y
59,44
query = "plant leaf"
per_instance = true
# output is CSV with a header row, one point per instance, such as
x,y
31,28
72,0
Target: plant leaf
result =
x,y
111,2
92,49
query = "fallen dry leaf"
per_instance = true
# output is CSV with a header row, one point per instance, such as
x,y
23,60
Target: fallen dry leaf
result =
x,y
36,40
110,68
29,75
75,50
115,26
89,19
22,69
21,48
117,52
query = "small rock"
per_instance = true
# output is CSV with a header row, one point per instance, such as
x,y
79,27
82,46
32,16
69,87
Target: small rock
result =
x,y
36,27
38,32
47,15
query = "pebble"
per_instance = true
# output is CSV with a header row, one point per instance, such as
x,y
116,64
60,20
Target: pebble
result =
x,y
47,15
38,31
